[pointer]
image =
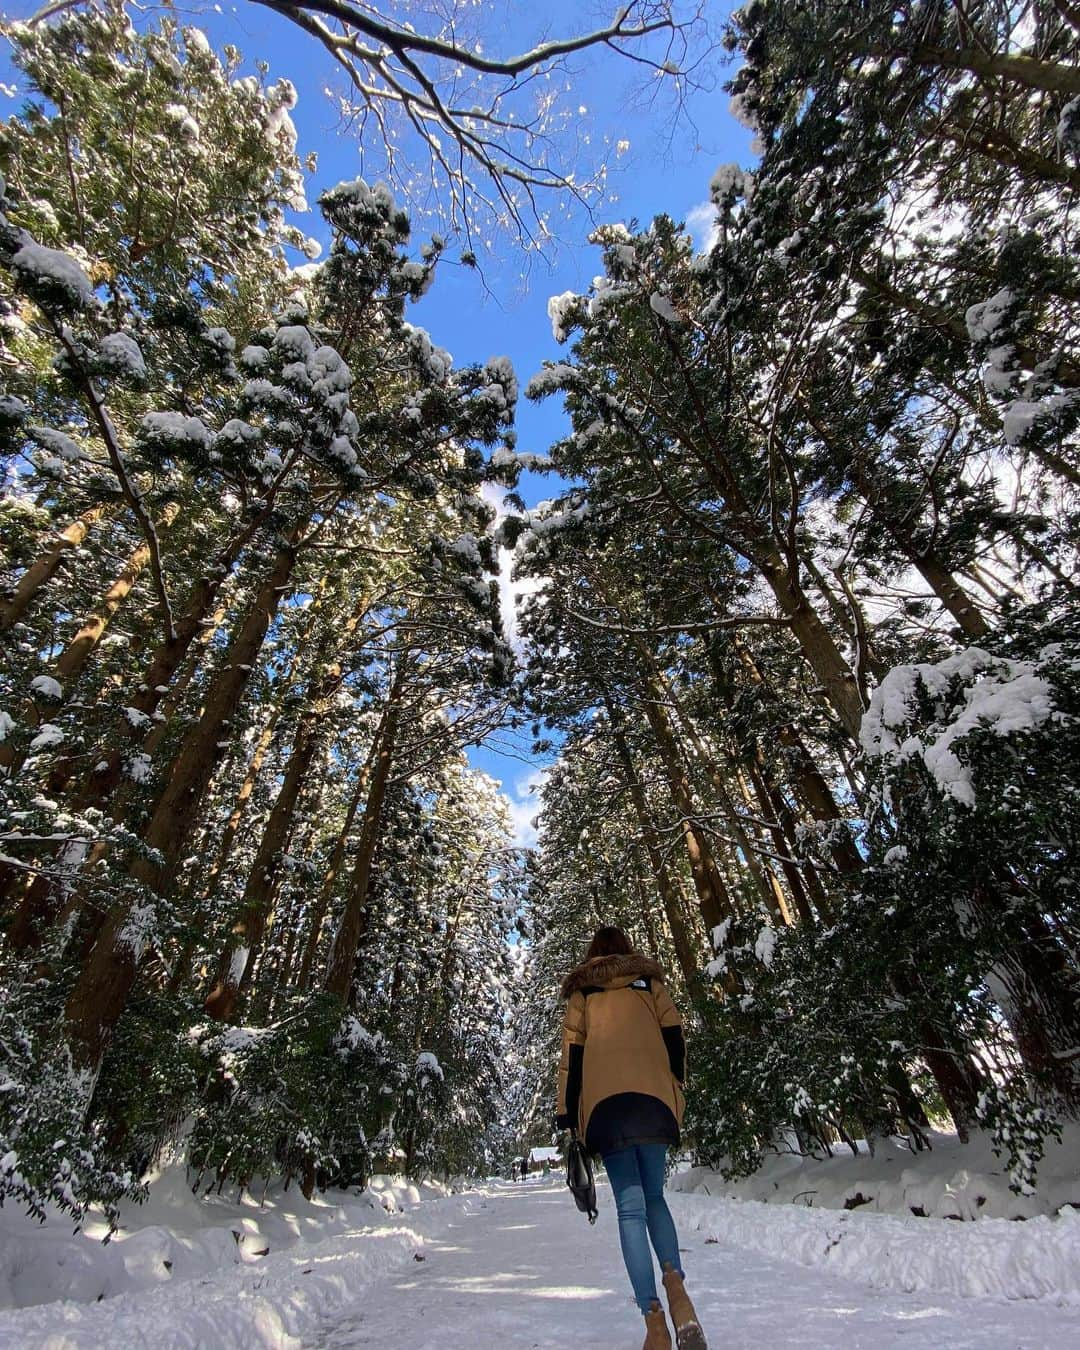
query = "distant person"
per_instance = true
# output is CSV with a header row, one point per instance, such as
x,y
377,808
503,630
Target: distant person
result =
x,y
524,1168
620,1087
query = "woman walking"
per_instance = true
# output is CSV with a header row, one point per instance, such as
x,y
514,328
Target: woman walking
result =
x,y
620,1087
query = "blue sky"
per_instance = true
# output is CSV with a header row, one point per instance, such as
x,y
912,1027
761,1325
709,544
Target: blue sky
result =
x,y
664,168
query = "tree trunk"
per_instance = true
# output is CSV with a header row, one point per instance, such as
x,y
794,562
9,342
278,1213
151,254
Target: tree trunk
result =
x,y
101,991
167,659
825,659
237,960
763,549
41,571
670,896
350,930
235,970
769,893
242,948
952,595
849,620
807,778
713,899
1027,71
954,599
333,867
76,654
771,804
254,768
46,894
644,908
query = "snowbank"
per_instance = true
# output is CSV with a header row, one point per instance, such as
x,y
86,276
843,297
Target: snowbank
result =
x,y
949,1181
223,1273
1039,1259
895,1233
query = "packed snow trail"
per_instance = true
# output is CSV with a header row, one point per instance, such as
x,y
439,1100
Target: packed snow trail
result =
x,y
524,1268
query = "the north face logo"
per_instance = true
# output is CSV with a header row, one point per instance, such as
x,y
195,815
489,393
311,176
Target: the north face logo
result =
x,y
640,984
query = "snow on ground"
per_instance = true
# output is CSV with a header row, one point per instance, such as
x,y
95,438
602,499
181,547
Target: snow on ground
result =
x,y
517,1265
174,1239
523,1268
949,1180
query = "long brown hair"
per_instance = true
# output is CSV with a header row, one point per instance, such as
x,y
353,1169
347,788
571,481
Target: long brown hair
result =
x,y
609,941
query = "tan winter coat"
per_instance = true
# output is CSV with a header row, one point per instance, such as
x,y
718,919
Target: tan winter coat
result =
x,y
620,1030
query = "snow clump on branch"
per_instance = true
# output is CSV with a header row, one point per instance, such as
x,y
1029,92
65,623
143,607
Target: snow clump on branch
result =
x,y
119,354
53,276
564,311
549,380
171,432
970,691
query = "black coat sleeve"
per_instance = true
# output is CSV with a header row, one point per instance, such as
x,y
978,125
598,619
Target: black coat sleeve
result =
x,y
567,1120
676,1050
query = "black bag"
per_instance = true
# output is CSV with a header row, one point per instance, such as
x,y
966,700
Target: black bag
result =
x,y
579,1177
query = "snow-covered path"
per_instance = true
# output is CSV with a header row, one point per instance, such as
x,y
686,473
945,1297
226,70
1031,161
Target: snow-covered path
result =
x,y
523,1268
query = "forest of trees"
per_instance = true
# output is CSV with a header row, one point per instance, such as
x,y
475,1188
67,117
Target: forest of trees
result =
x,y
802,654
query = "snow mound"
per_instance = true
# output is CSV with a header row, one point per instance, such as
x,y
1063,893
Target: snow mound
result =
x,y
997,1259
221,1273
949,1180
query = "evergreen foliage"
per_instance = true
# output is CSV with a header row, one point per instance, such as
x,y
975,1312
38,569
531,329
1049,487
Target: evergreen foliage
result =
x,y
806,627
800,657
249,630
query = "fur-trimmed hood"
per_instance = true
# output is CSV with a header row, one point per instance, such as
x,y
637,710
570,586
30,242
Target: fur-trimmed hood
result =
x,y
604,969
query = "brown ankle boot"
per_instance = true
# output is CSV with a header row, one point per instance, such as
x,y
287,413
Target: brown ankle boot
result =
x,y
657,1336
688,1332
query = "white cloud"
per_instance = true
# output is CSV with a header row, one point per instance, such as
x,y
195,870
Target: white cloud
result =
x,y
523,803
701,224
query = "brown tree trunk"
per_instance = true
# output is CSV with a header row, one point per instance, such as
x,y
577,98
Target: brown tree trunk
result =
x,y
808,780
773,807
670,896
322,902
167,659
234,972
850,621
44,896
242,948
952,595
351,928
41,571
76,654
780,909
644,909
769,893
254,768
1026,71
763,549
825,659
954,599
713,899
101,991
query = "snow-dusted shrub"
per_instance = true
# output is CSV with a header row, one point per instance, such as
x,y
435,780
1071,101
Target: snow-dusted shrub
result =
x,y
49,1157
951,953
801,1052
150,1080
297,1099
974,874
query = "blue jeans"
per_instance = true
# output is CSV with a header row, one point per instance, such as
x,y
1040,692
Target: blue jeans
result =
x,y
637,1179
